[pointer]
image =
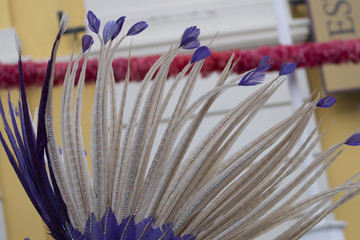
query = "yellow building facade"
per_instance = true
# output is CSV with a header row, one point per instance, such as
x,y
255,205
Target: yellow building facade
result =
x,y
36,23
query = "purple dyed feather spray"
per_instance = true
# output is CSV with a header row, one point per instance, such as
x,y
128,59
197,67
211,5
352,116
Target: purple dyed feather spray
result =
x,y
179,194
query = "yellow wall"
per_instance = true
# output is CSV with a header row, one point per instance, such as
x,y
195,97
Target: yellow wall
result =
x,y
339,122
5,20
36,24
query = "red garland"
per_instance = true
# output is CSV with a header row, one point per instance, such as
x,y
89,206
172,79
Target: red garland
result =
x,y
305,54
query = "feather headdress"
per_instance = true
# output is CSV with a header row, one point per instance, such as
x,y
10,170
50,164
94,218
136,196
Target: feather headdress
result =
x,y
139,190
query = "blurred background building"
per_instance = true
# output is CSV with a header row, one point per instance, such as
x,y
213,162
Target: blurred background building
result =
x,y
242,24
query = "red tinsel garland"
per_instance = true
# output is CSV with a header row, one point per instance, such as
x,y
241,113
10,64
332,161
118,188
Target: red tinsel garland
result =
x,y
305,54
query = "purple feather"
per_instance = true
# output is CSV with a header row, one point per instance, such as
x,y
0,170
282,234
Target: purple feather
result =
x,y
192,45
27,183
93,22
120,23
15,127
164,232
200,54
155,234
264,64
28,135
256,76
87,41
109,31
59,199
189,38
354,140
109,224
89,226
168,231
130,231
22,124
10,135
252,78
73,233
51,203
137,28
97,231
23,169
287,68
145,227
326,102
30,167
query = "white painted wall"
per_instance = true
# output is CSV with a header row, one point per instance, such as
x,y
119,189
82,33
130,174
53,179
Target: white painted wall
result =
x,y
8,46
2,221
242,24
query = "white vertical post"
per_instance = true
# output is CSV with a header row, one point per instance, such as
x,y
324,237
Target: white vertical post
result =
x,y
2,221
284,35
330,230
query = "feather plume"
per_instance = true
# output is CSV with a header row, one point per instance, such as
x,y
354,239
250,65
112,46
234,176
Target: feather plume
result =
x,y
180,188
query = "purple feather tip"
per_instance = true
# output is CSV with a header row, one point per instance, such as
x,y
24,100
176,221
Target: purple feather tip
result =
x,y
93,22
87,41
190,39
264,64
326,102
354,140
120,23
256,76
137,28
287,68
200,54
109,31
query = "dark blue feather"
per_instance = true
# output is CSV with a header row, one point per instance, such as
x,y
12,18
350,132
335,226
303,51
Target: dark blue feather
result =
x,y
155,234
48,203
137,28
256,76
72,233
127,229
27,124
97,231
10,134
89,227
168,232
93,22
144,227
326,102
354,140
190,39
109,224
24,136
200,54
26,182
16,129
61,204
20,166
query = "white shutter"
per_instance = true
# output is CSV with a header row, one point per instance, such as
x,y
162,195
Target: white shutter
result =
x,y
242,24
